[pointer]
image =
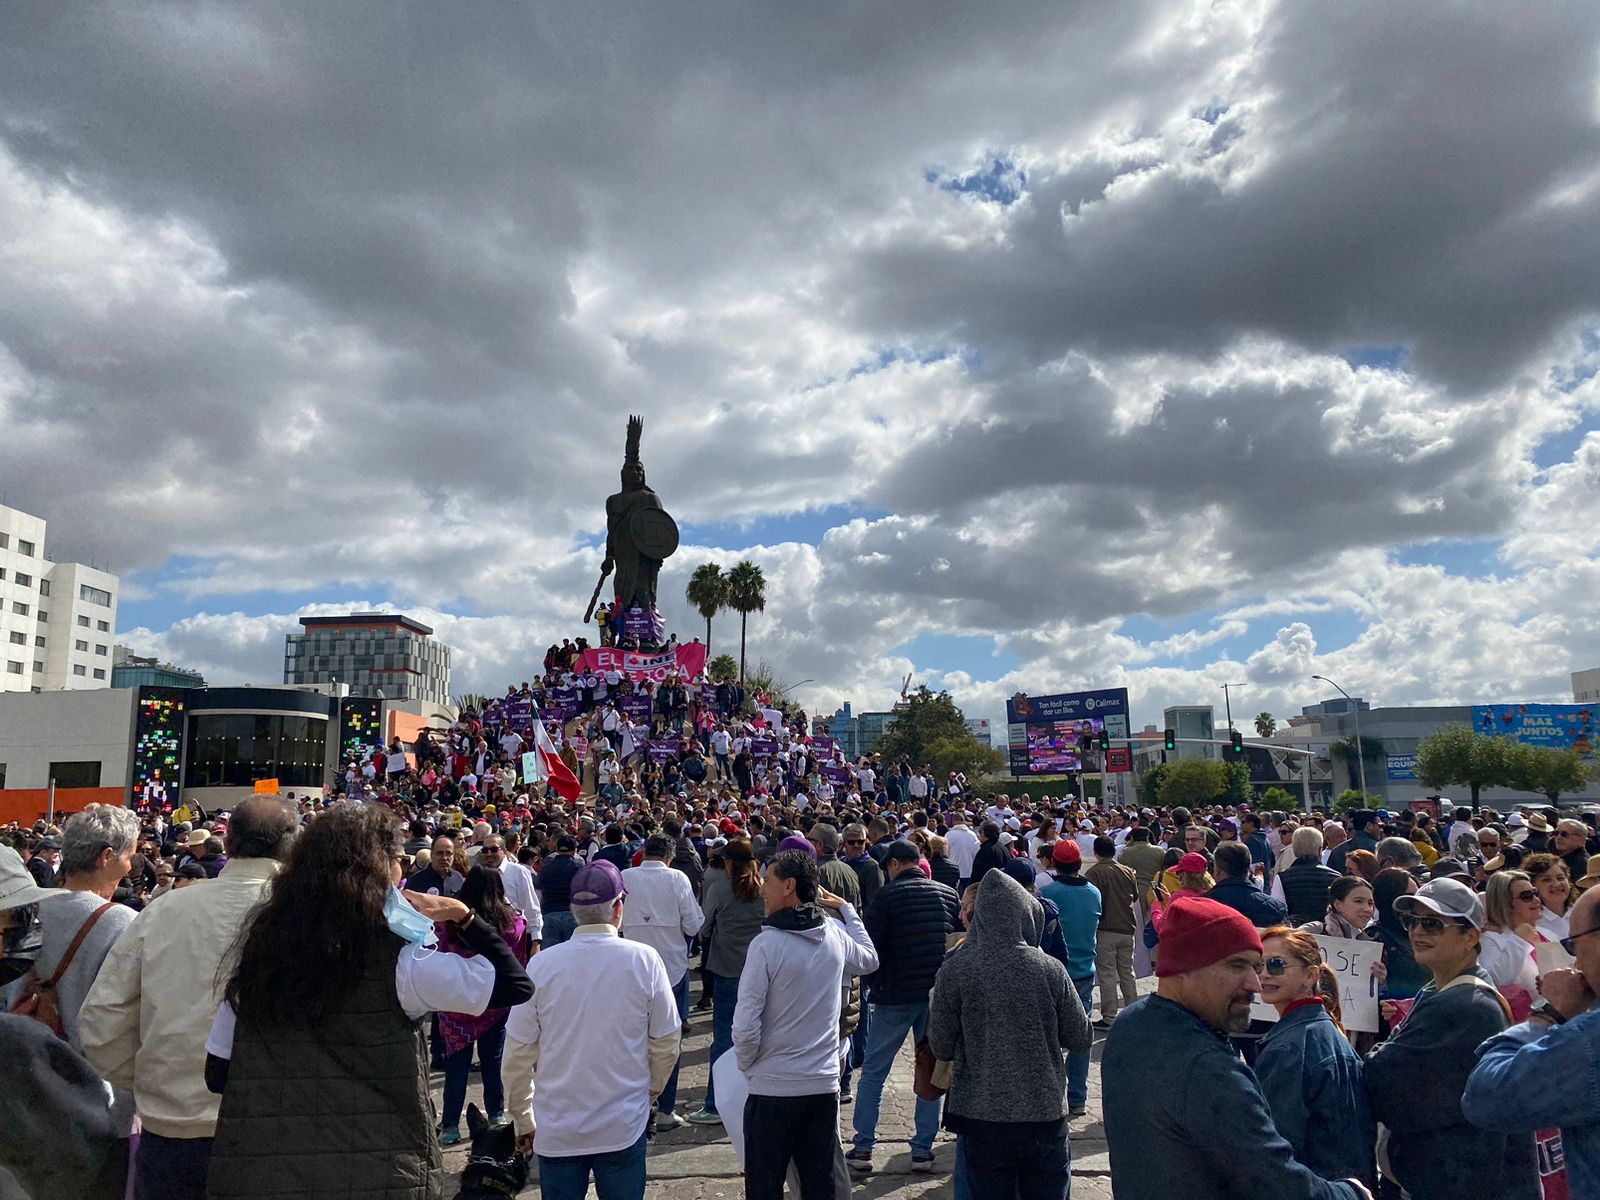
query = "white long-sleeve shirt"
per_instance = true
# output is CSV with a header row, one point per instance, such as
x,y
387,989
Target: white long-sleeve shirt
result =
x,y
520,892
661,912
786,1021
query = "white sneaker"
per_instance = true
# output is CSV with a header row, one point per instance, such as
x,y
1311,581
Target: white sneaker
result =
x,y
668,1120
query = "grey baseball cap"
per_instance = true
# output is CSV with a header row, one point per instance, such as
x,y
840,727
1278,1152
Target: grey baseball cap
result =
x,y
1445,898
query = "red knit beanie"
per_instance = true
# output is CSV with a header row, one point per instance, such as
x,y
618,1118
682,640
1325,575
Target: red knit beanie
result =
x,y
1197,932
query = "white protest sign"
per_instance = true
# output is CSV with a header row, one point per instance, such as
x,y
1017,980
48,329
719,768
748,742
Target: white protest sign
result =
x,y
1552,956
1358,990
530,767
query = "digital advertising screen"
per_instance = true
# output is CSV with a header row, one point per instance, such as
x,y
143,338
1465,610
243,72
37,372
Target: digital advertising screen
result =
x,y
360,725
1043,731
158,741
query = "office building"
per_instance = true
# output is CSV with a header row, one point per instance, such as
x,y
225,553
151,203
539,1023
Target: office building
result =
x,y
58,620
1586,686
130,670
377,655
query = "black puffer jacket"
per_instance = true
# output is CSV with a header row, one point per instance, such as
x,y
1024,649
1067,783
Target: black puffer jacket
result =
x,y
1305,889
908,920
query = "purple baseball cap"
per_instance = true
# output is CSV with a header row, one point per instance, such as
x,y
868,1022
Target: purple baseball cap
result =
x,y
796,841
597,883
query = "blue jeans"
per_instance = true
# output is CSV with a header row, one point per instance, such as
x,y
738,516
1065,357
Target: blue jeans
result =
x,y
669,1094
890,1024
491,1044
558,927
1008,1167
618,1175
724,995
1078,1060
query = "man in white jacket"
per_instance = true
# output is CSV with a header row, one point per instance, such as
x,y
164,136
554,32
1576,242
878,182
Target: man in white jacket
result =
x,y
786,1028
145,1020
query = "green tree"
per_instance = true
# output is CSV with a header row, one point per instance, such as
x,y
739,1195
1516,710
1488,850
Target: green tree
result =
x,y
1266,726
708,593
965,754
1350,800
1277,799
1545,770
927,717
1150,785
747,593
723,669
1194,781
1458,755
1240,789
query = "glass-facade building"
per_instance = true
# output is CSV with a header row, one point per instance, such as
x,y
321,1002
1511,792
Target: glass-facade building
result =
x,y
375,654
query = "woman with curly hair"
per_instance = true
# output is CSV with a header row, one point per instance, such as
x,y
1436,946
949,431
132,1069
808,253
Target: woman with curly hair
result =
x,y
319,1049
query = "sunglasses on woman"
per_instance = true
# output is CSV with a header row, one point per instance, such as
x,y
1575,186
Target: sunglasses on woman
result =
x,y
1524,897
1429,924
1275,965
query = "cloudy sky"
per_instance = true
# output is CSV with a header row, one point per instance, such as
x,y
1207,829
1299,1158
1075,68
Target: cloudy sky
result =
x,y
1158,345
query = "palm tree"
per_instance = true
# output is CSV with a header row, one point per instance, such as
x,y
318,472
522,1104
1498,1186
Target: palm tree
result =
x,y
708,593
747,593
1265,725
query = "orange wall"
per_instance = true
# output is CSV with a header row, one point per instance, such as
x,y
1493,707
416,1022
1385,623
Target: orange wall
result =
x,y
27,805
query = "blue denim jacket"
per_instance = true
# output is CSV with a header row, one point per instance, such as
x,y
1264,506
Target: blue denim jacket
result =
x,y
1311,1078
1528,1079
1184,1116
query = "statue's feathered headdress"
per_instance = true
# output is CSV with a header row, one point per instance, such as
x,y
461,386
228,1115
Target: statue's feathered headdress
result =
x,y
635,432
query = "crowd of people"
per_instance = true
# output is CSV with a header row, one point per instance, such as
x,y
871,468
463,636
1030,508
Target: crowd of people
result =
x,y
255,1002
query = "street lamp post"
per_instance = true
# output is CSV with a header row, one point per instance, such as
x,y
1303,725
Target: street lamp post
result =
x,y
1355,709
1227,702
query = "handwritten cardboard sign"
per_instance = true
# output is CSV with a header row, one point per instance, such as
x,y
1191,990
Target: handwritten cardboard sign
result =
x,y
1358,990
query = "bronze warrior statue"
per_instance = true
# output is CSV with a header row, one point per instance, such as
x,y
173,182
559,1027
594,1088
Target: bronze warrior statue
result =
x,y
640,534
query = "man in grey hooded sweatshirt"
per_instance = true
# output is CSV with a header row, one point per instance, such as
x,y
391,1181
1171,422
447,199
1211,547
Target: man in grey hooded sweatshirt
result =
x,y
1006,1015
786,1028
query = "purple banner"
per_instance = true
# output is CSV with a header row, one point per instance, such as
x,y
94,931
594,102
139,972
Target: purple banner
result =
x,y
661,749
636,706
565,701
823,747
645,625
518,712
708,694
763,748
837,774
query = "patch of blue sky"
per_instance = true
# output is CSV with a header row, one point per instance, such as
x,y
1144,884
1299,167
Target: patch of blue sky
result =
x,y
170,601
1001,182
808,526
1560,448
973,653
1472,558
1212,113
1384,358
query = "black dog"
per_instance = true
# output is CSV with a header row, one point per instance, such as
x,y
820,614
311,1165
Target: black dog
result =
x,y
496,1168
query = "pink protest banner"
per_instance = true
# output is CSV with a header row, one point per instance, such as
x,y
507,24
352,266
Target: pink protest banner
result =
x,y
687,661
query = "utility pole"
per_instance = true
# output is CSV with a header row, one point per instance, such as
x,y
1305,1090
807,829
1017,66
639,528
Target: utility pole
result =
x,y
1227,702
1355,711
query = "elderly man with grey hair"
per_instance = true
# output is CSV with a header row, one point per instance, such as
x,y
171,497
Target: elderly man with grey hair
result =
x,y
97,848
1398,852
1333,836
1304,884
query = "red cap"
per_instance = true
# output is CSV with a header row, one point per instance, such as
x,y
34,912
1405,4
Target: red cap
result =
x,y
1066,851
1194,864
1197,932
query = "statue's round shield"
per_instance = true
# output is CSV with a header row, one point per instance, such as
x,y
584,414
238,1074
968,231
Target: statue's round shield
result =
x,y
654,531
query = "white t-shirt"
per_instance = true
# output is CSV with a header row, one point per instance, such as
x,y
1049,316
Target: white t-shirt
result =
x,y
963,844
520,892
721,742
425,981
598,999
511,742
868,779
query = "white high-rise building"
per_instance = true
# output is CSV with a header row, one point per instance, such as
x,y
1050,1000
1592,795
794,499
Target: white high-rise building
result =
x,y
58,621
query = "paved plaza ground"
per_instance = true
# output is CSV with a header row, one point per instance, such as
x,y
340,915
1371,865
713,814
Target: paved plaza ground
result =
x,y
698,1163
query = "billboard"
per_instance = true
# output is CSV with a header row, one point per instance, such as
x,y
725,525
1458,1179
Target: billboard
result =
x,y
1557,726
1402,767
158,742
978,727
1042,732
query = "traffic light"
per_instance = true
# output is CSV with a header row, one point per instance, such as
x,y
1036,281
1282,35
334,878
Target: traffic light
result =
x,y
1105,741
1237,739
1172,739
